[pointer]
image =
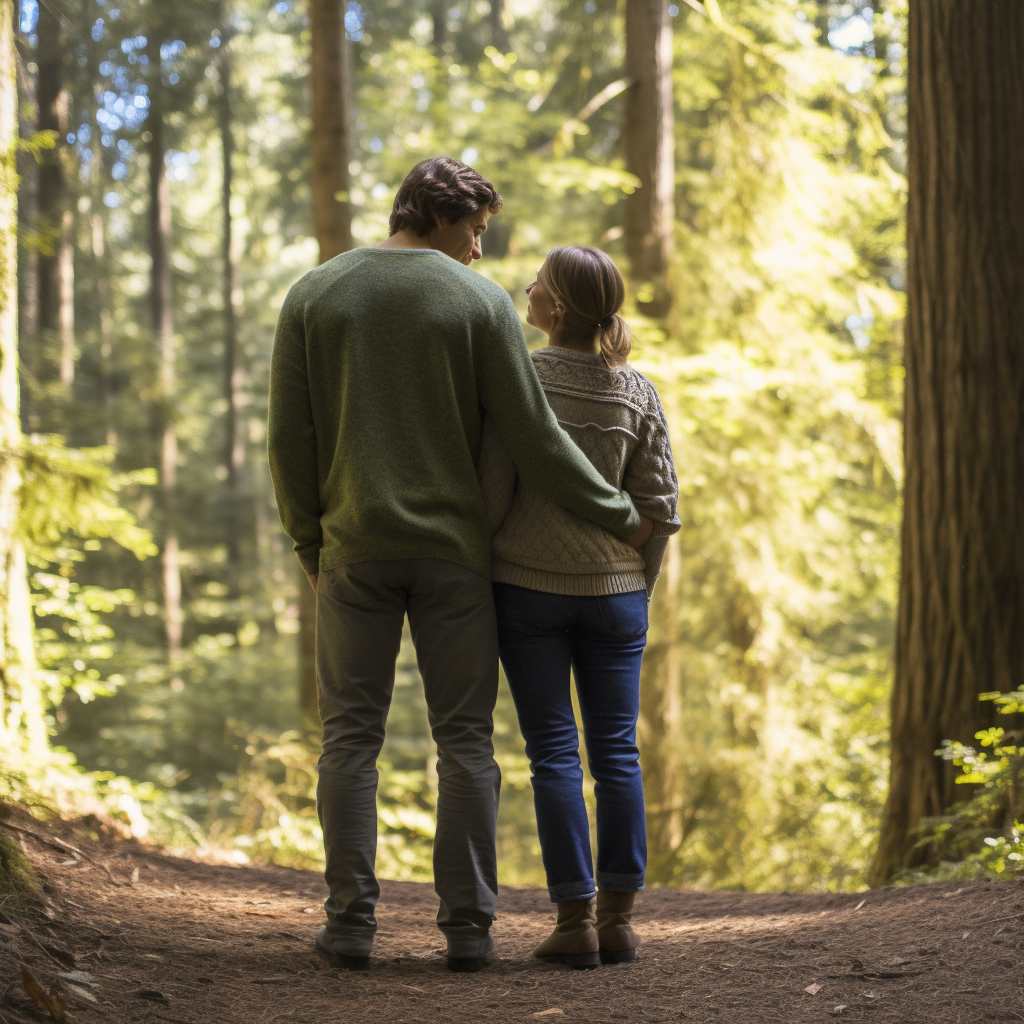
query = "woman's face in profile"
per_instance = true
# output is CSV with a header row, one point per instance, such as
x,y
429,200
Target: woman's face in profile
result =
x,y
541,310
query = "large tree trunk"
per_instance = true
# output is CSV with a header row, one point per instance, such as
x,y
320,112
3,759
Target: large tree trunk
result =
x,y
648,144
28,256
22,727
234,447
961,614
332,224
56,270
161,312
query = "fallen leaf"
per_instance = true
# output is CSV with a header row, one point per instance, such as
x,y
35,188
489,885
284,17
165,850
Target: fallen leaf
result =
x,y
260,913
870,995
135,875
151,956
838,1011
413,988
553,1012
77,978
152,994
308,910
965,934
946,895
859,905
47,1000
813,988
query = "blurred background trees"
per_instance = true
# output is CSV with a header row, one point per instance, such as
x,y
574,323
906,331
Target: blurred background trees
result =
x,y
742,160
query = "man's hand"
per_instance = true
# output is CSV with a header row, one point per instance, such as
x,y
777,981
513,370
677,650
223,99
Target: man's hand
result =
x,y
313,577
642,535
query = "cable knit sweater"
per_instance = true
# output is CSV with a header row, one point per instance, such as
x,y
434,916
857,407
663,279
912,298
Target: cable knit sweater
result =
x,y
615,417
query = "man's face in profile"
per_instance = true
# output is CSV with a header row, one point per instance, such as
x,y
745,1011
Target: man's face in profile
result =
x,y
461,239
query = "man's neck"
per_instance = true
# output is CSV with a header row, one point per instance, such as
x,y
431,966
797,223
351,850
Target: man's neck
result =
x,y
405,239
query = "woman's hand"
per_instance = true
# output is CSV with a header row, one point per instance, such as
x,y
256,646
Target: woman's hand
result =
x,y
642,535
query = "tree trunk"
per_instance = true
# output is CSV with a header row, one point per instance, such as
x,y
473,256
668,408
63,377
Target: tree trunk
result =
x,y
234,448
161,312
665,791
821,21
106,323
329,142
332,224
56,270
499,33
22,727
961,614
647,138
28,256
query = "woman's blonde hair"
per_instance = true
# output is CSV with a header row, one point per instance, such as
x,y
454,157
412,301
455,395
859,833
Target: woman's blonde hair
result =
x,y
588,284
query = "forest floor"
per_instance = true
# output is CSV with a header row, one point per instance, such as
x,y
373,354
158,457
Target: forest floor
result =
x,y
142,936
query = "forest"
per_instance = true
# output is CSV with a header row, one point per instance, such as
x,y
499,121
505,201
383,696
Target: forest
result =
x,y
839,626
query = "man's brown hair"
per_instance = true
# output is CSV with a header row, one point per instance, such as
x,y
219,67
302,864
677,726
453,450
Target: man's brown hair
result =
x,y
440,188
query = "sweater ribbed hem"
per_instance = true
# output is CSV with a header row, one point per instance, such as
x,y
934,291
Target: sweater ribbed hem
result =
x,y
593,584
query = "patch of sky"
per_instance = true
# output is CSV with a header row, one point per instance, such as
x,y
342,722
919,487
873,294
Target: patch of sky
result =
x,y
454,13
106,138
29,15
174,78
114,14
673,11
97,30
590,7
376,144
857,325
418,81
112,200
478,105
215,41
282,7
380,191
119,170
106,68
354,21
855,32
85,133
469,155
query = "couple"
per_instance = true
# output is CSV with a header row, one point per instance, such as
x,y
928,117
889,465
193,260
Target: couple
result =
x,y
416,458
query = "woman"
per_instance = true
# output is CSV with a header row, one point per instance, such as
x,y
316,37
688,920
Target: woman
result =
x,y
570,595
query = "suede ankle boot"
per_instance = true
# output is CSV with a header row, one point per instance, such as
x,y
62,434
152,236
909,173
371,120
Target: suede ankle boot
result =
x,y
574,940
616,939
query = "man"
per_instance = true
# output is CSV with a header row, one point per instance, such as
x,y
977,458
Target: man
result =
x,y
385,361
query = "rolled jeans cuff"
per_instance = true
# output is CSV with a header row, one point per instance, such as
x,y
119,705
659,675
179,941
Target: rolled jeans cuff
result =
x,y
567,891
619,883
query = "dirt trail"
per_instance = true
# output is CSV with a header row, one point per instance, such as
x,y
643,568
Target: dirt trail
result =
x,y
165,939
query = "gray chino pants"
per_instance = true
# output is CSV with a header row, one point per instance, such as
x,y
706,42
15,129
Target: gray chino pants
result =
x,y
361,609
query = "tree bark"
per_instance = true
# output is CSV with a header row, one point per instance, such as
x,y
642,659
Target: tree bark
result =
x,y
22,726
499,33
332,224
161,312
961,613
648,144
28,256
329,142
234,448
56,270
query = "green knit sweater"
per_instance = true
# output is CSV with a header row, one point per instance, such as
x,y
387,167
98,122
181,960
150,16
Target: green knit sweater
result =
x,y
384,364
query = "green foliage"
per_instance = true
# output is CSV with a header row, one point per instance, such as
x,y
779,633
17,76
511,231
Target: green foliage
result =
x,y
984,835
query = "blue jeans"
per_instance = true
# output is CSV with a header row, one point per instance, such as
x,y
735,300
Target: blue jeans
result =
x,y
540,636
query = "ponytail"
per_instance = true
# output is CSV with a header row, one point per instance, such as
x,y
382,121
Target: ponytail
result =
x,y
615,339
